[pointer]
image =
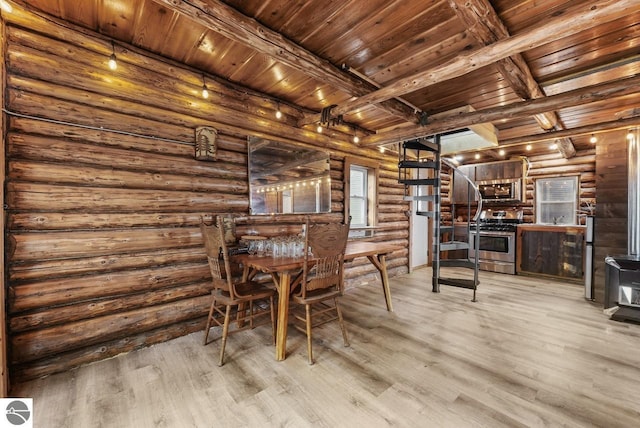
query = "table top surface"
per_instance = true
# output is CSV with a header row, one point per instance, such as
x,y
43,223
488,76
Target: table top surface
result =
x,y
279,264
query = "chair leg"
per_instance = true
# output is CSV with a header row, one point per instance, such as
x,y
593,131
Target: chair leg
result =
x,y
209,319
341,321
308,322
225,333
273,320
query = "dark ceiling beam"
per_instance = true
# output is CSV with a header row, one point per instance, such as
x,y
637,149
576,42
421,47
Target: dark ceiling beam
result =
x,y
588,15
223,19
484,24
585,95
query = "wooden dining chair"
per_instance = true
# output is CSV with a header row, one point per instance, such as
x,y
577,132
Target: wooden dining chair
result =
x,y
321,282
248,298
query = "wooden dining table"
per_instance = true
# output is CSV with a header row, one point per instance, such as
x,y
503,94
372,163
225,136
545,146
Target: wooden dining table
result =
x,y
281,270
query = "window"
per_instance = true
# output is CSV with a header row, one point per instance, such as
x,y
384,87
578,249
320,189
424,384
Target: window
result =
x,y
556,200
361,193
358,196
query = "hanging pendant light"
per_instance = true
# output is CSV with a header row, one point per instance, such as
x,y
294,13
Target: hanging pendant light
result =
x,y
113,64
205,90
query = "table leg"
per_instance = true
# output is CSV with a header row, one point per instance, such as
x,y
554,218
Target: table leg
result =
x,y
283,316
380,263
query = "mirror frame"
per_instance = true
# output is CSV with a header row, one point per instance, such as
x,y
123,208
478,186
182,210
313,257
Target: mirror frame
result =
x,y
280,174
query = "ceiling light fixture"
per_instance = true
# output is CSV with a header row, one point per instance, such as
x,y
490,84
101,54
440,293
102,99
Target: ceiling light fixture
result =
x,y
113,64
593,139
205,90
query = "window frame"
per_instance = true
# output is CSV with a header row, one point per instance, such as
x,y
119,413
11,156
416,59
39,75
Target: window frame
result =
x,y
372,169
575,201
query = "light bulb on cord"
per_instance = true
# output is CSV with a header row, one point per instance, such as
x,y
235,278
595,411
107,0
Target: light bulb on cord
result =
x,y
630,135
593,139
205,90
528,147
319,129
113,64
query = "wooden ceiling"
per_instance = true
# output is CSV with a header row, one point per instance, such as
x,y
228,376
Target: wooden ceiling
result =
x,y
397,69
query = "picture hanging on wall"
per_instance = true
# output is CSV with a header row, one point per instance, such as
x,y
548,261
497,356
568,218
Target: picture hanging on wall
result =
x,y
206,148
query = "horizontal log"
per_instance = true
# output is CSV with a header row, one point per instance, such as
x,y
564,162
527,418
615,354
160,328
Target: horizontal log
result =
x,y
25,196
62,221
70,174
36,344
80,244
42,269
23,146
97,308
64,291
67,360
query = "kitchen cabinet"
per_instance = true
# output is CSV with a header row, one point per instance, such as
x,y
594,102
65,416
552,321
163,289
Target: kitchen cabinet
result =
x,y
460,185
556,251
499,170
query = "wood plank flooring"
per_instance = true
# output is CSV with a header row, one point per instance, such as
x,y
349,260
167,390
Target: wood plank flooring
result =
x,y
531,352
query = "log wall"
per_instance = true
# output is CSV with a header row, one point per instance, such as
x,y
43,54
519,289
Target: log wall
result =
x,y
611,212
103,195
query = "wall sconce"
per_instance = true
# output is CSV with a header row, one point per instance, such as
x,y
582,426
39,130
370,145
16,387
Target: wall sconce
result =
x,y
113,64
206,148
205,90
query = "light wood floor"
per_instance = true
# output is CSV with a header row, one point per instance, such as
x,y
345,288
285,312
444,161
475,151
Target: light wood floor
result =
x,y
530,352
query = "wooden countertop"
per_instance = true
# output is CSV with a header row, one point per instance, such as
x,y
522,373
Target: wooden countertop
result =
x,y
551,227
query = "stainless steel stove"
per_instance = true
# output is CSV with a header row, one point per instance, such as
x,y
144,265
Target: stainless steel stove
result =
x,y
495,244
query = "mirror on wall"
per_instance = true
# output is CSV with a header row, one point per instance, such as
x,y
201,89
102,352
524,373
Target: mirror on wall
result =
x,y
285,178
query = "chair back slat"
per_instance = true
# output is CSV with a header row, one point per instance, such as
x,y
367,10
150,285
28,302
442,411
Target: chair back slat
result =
x,y
324,260
217,255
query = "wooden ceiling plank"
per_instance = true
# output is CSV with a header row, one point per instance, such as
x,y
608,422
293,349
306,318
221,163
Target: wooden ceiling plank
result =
x,y
580,96
594,128
485,25
588,15
225,20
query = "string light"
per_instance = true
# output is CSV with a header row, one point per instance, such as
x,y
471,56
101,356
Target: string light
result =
x,y
319,129
477,156
205,90
278,112
553,146
501,152
528,148
593,139
113,64
630,135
